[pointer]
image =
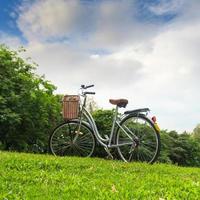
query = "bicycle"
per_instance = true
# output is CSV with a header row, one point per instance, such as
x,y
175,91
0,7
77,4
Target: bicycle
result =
x,y
135,135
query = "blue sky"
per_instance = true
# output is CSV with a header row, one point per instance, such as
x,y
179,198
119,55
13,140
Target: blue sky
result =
x,y
8,23
144,50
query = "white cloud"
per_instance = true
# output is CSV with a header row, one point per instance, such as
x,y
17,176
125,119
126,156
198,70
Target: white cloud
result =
x,y
49,19
9,40
65,66
171,84
116,26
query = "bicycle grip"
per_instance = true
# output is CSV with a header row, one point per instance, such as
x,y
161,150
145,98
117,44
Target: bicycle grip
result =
x,y
89,86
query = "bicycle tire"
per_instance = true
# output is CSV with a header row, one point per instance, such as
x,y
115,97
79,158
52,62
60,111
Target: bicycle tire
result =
x,y
137,151
62,140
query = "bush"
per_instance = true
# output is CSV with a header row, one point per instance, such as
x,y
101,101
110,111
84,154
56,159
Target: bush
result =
x,y
28,108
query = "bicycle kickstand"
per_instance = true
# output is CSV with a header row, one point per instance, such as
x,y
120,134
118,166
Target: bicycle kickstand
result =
x,y
108,152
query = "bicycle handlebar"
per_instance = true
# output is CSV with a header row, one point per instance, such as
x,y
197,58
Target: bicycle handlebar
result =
x,y
89,93
86,87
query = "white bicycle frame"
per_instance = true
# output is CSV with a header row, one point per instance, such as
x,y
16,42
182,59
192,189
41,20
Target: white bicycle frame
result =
x,y
106,142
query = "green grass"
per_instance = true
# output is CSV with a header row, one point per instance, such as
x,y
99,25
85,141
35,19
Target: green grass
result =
x,y
28,176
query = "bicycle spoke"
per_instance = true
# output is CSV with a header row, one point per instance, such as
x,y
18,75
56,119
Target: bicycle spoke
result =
x,y
82,148
131,154
151,146
70,133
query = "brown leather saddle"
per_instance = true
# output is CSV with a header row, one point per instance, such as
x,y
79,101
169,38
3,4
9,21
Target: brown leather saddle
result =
x,y
119,102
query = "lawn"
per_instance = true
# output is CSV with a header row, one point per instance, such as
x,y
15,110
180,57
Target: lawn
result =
x,y
31,176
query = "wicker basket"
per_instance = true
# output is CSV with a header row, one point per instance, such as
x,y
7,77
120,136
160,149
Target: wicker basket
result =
x,y
71,107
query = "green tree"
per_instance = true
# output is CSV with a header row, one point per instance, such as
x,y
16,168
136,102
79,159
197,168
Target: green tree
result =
x,y
28,108
166,147
181,149
196,132
103,119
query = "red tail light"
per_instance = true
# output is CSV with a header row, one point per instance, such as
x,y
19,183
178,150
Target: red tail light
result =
x,y
154,119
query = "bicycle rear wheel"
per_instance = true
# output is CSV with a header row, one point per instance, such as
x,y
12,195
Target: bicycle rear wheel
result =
x,y
140,138
72,139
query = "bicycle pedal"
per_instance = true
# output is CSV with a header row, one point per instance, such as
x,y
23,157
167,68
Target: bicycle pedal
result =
x,y
79,132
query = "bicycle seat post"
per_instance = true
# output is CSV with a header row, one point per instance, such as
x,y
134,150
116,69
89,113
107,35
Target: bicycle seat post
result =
x,y
116,111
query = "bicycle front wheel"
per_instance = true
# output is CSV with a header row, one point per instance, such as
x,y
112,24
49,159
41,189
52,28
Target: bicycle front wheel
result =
x,y
138,139
72,139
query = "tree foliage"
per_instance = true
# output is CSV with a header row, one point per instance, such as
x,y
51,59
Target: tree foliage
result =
x,y
104,119
181,149
196,132
28,108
